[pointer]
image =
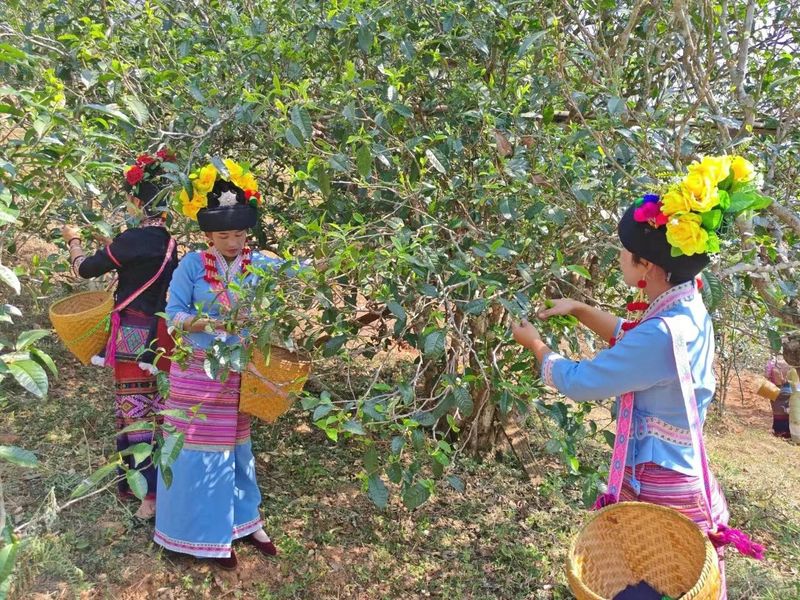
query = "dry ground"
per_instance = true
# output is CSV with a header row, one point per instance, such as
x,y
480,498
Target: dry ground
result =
x,y
502,538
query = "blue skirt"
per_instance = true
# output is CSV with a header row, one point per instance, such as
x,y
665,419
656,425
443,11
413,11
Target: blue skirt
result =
x,y
212,501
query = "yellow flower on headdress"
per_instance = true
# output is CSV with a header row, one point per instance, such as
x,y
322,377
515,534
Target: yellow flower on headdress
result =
x,y
685,233
234,169
703,191
183,198
715,168
190,208
205,179
743,169
677,200
247,182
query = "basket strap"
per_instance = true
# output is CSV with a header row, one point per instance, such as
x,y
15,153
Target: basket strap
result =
x,y
616,470
275,387
111,346
683,365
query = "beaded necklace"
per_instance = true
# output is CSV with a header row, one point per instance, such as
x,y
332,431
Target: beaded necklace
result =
x,y
211,258
665,301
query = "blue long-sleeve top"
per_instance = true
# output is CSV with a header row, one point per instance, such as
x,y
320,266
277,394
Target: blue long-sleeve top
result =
x,y
190,293
642,361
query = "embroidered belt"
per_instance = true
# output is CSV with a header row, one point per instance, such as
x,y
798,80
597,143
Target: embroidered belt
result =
x,y
649,426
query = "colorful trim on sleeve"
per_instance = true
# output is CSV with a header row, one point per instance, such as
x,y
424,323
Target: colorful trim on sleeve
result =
x,y
76,264
548,362
181,317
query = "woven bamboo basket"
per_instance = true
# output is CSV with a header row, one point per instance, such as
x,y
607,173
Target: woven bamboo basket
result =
x,y
629,542
270,384
767,389
80,320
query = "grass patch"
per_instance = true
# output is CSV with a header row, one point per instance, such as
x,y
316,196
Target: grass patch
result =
x,y
502,538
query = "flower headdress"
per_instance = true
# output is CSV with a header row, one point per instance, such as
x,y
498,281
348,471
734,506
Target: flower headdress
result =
x,y
147,169
204,179
694,209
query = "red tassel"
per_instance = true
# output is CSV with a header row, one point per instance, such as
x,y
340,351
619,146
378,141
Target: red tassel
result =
x,y
628,325
637,306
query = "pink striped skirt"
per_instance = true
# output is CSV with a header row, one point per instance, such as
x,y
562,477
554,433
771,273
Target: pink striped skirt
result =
x,y
191,389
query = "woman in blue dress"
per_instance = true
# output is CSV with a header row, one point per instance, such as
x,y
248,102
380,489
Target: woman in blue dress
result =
x,y
660,359
213,498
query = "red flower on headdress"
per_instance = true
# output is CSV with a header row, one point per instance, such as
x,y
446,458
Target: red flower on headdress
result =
x,y
144,160
134,174
166,155
650,212
252,194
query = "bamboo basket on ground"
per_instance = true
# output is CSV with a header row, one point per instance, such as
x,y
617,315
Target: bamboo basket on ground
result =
x,y
81,321
629,542
270,383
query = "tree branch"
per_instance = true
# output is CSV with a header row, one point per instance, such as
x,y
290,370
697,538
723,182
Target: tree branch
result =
x,y
788,216
746,268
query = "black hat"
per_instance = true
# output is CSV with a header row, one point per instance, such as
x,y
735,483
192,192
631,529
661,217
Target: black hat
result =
x,y
148,193
650,243
228,209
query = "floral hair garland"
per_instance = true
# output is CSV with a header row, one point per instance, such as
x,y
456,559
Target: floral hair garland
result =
x,y
203,180
693,209
146,168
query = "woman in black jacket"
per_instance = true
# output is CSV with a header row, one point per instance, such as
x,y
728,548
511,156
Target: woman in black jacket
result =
x,y
137,255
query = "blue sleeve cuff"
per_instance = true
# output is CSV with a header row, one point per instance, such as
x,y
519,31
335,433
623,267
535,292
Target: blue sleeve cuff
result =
x,y
618,328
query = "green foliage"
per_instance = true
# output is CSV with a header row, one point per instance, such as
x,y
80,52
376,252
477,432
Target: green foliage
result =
x,y
446,165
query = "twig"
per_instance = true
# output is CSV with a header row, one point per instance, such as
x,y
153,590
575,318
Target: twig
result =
x,y
20,528
746,268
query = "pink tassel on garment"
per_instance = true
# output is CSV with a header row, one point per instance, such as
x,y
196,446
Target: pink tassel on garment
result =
x,y
725,535
604,500
111,346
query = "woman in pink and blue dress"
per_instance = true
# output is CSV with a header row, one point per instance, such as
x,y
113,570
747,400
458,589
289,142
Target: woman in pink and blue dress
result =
x,y
665,246
213,498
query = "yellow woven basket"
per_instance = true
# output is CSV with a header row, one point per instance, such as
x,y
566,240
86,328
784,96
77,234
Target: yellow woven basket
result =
x,y
629,542
80,320
270,383
767,389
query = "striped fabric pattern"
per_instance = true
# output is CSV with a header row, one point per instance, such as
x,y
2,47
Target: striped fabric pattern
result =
x,y
137,399
676,490
224,426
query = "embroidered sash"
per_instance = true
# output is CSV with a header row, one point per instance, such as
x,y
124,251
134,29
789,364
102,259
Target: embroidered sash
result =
x,y
720,534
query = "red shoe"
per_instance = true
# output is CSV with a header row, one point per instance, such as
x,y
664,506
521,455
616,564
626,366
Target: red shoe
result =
x,y
266,548
229,564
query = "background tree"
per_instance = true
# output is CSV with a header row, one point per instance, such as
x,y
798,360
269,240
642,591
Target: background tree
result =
x,y
455,163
